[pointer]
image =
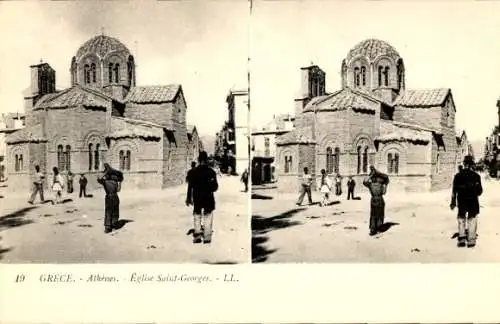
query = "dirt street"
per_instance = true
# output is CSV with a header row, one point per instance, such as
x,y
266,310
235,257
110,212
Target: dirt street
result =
x,y
155,226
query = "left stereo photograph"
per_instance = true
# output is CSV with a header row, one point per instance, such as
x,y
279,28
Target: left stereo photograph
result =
x,y
138,151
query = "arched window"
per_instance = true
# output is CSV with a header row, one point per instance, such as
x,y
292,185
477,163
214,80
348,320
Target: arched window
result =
x,y
67,160
380,76
329,160
90,157
127,165
389,163
94,73
396,163
359,159
86,74
60,157
363,75
337,160
96,157
117,72
16,167
365,160
267,147
110,72
356,77
130,68
21,167
386,76
122,160
288,164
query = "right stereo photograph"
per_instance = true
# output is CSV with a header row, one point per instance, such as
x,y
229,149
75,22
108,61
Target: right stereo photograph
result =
x,y
375,132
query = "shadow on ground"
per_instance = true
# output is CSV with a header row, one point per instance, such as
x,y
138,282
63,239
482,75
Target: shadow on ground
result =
x,y
387,226
262,197
16,219
221,262
263,225
122,222
3,251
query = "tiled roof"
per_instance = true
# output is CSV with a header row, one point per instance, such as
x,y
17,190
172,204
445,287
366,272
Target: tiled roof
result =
x,y
422,98
132,132
132,128
301,135
32,134
371,49
402,132
153,94
190,128
341,100
74,96
101,46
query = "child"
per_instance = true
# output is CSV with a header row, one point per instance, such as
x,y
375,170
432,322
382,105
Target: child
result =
x,y
57,185
325,188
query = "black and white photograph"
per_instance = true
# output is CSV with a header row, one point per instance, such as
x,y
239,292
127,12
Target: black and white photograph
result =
x,y
124,132
375,132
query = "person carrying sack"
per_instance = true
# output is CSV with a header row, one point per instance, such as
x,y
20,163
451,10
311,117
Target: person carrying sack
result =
x,y
325,185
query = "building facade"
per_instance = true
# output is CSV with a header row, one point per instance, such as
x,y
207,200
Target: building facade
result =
x,y
264,148
9,123
492,148
103,117
372,120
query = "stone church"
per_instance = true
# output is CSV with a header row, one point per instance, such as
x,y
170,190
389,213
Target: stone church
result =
x,y
103,117
372,120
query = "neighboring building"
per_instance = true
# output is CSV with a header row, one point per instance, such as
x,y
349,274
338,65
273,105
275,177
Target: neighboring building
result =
x,y
464,148
9,123
232,143
102,117
492,148
196,144
238,126
372,120
264,148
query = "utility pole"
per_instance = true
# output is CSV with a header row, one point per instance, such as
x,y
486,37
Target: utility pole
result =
x,y
250,2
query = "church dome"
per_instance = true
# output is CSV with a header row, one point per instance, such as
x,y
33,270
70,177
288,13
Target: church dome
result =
x,y
372,49
101,46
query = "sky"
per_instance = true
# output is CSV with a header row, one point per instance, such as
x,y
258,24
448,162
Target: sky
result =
x,y
202,45
447,44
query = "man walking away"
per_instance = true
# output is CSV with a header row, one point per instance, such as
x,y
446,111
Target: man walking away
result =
x,y
351,184
83,185
377,183
305,187
37,185
244,179
201,188
111,182
466,190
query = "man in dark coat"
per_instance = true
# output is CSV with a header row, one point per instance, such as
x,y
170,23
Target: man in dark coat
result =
x,y
83,185
466,190
111,183
351,184
377,183
201,187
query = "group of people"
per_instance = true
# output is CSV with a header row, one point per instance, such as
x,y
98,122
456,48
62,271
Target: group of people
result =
x,y
111,181
58,184
465,192
325,186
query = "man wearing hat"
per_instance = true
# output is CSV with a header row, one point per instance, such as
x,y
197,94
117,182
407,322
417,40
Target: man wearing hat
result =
x,y
201,187
466,190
